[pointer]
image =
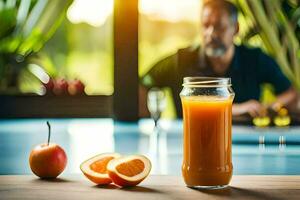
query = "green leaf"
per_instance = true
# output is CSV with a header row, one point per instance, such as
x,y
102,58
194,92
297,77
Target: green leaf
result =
x,y
39,28
22,13
7,21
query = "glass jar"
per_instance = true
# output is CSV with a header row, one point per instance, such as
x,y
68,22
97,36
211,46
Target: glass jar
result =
x,y
207,119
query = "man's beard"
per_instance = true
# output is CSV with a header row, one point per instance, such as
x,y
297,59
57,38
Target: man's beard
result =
x,y
215,49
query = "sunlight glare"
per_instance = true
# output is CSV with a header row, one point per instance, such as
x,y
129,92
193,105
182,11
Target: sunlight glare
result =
x,y
171,10
93,12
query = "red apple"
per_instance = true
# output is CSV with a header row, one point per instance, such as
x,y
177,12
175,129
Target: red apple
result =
x,y
47,160
60,87
76,87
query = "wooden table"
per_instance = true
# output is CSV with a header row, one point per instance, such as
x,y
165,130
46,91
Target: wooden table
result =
x,y
154,187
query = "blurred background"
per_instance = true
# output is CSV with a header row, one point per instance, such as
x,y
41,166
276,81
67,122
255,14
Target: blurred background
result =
x,y
66,47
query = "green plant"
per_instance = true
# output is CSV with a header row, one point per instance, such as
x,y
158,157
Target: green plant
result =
x,y
277,25
26,25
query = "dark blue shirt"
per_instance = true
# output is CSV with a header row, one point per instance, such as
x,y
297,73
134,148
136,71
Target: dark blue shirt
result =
x,y
248,70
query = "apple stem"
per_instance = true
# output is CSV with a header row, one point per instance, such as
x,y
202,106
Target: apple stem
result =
x,y
49,132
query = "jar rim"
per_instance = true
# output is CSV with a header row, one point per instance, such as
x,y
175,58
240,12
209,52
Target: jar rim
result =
x,y
205,81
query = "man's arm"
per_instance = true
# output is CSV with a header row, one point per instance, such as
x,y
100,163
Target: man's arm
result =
x,y
251,107
254,108
267,72
270,72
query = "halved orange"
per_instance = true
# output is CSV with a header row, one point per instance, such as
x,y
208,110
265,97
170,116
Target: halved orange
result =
x,y
95,168
129,170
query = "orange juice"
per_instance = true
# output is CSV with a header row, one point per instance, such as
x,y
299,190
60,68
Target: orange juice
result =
x,y
207,140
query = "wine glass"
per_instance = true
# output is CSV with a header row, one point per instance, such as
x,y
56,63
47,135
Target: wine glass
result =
x,y
156,103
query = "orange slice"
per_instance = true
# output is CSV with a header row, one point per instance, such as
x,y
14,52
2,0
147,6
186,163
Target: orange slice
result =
x,y
95,168
129,170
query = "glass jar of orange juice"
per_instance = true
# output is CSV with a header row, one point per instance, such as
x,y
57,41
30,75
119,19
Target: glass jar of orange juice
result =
x,y
207,116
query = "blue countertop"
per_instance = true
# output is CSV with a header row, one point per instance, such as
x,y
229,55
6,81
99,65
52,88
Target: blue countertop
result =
x,y
255,150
